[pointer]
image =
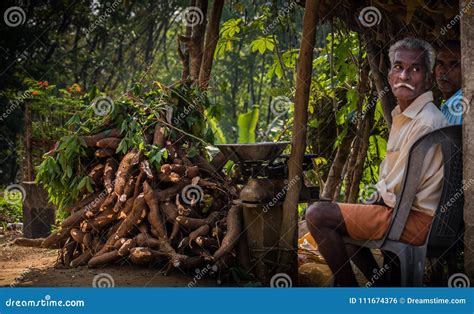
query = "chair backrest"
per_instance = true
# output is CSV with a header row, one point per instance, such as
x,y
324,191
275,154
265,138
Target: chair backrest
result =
x,y
448,219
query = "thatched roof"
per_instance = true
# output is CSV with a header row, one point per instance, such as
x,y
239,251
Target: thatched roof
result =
x,y
390,20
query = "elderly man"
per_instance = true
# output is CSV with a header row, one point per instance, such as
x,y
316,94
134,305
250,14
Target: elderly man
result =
x,y
410,77
449,80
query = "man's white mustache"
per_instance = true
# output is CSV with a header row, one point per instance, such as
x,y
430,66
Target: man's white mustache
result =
x,y
404,85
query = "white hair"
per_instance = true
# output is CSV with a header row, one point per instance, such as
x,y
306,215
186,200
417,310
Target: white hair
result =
x,y
412,43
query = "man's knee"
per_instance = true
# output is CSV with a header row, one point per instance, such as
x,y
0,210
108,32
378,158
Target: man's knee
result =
x,y
319,213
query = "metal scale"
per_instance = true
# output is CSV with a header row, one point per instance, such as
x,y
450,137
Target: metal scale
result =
x,y
262,170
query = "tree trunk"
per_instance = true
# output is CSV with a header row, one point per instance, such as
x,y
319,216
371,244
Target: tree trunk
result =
x,y
183,47
335,173
363,147
348,174
28,174
212,36
467,46
379,75
289,225
196,42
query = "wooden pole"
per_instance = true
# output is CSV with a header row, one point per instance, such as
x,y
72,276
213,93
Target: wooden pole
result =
x,y
289,225
467,46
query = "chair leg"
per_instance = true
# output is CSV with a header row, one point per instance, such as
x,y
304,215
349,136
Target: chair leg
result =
x,y
406,267
419,258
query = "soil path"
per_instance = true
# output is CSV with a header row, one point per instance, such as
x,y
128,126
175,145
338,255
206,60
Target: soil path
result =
x,y
34,267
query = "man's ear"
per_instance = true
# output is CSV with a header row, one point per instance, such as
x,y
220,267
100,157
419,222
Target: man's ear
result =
x,y
389,80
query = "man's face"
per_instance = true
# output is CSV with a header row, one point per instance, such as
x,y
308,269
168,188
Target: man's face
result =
x,y
448,71
407,77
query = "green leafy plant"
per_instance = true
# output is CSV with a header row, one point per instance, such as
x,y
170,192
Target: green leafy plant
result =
x,y
180,107
10,211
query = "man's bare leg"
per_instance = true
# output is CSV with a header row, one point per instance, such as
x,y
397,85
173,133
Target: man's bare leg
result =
x,y
326,225
365,261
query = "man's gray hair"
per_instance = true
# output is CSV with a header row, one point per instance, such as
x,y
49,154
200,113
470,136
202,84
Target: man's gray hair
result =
x,y
412,43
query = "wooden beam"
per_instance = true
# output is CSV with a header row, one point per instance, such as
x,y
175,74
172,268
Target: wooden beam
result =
x,y
289,224
467,46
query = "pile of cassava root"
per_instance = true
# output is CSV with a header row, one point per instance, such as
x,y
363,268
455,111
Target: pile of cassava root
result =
x,y
180,215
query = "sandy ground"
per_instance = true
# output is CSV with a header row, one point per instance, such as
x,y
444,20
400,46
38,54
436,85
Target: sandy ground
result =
x,y
34,267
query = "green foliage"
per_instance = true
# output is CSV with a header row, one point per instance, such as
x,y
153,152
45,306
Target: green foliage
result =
x,y
11,211
179,108
255,62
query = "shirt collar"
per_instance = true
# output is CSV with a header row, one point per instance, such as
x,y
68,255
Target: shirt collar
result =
x,y
455,97
415,107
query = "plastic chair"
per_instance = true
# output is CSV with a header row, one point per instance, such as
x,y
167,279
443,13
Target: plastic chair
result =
x,y
448,221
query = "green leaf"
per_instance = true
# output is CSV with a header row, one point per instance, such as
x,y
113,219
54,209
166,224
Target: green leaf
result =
x,y
340,137
82,183
247,123
69,172
230,28
275,69
263,44
89,184
218,133
193,152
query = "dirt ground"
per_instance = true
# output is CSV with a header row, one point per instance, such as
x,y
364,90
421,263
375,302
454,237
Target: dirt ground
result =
x,y
35,267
